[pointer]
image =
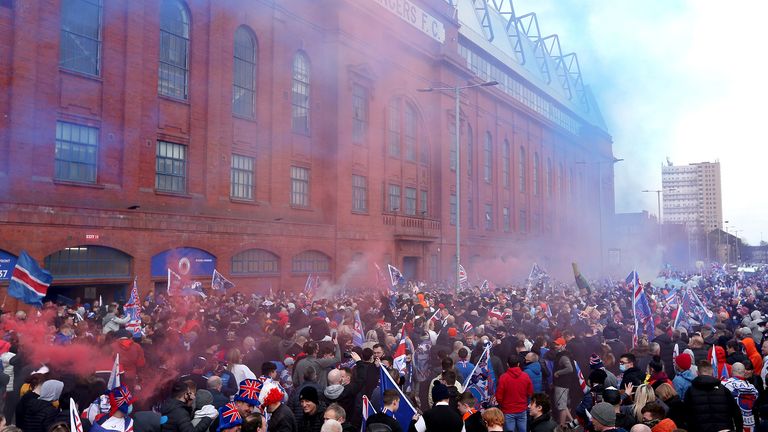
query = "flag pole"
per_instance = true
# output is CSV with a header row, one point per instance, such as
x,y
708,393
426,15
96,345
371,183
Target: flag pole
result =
x,y
477,363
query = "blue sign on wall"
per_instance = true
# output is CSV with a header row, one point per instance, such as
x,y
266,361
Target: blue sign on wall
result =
x,y
7,263
184,262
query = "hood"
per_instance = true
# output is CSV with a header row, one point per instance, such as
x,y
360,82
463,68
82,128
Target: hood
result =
x,y
124,344
514,372
688,375
719,352
749,344
333,391
51,390
203,397
534,368
706,382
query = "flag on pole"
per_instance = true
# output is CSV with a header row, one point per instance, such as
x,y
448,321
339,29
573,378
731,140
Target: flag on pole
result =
x,y
368,410
398,358
29,282
133,310
581,281
395,276
406,411
219,282
641,307
582,381
481,382
75,424
309,285
357,332
486,286
713,360
175,283
537,273
381,279
114,375
675,352
462,274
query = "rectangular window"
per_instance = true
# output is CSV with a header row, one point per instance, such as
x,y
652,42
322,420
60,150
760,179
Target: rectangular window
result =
x,y
393,129
505,216
505,164
359,194
523,221
470,213
489,217
359,113
487,158
452,209
424,203
452,151
433,267
394,198
171,167
410,133
410,201
241,178
244,74
299,186
77,152
80,44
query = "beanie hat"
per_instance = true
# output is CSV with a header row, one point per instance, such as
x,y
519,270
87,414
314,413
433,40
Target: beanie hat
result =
x,y
120,398
452,332
560,341
604,413
683,361
595,362
309,393
249,391
440,392
274,395
203,397
229,417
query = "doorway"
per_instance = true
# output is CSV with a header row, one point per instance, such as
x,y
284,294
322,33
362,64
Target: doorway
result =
x,y
411,267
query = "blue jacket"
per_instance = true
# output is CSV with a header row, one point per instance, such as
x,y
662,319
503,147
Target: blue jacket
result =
x,y
682,382
464,369
534,372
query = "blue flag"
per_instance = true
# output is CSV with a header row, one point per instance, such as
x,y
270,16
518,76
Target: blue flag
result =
x,y
357,332
481,382
368,411
405,413
219,282
133,310
29,283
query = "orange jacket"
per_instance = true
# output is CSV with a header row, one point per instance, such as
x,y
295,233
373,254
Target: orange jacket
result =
x,y
753,354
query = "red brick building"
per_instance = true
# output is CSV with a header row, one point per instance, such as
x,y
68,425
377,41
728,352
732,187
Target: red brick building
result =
x,y
270,140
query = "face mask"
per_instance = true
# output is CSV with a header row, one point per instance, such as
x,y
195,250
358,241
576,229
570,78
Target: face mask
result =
x,y
622,367
130,409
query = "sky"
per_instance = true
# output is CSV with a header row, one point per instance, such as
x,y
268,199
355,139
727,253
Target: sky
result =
x,y
678,79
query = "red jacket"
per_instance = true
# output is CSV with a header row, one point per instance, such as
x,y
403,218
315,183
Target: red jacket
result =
x,y
514,390
131,356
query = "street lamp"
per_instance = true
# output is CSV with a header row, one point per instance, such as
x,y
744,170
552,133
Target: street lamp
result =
x,y
457,95
658,207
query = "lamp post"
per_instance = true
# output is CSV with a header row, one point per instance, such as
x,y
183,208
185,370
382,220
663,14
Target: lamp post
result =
x,y
658,208
457,96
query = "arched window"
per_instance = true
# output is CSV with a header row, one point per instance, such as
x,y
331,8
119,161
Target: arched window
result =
x,y
244,73
402,129
535,173
300,94
522,163
173,74
311,262
88,262
255,261
488,157
80,43
550,191
505,163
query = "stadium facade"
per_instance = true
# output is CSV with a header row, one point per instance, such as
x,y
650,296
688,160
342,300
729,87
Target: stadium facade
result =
x,y
271,140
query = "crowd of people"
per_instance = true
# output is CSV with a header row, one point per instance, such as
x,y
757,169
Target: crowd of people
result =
x,y
551,358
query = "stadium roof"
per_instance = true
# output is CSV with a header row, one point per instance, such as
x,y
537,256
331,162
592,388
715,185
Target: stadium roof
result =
x,y
517,42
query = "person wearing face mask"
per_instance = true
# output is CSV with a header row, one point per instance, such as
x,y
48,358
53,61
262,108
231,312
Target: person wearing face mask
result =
x,y
630,374
177,410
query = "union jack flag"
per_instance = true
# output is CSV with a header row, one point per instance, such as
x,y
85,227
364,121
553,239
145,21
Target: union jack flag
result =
x,y
462,274
230,414
368,409
641,307
467,327
496,313
582,381
250,389
120,396
357,333
133,310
